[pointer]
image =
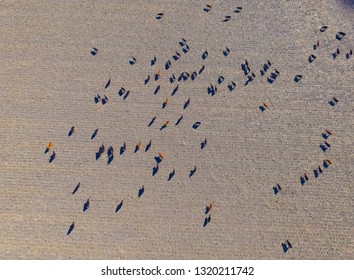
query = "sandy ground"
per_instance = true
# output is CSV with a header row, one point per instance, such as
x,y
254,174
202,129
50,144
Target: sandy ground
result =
x,y
48,82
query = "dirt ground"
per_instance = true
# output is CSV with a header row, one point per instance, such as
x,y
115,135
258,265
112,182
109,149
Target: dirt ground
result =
x,y
48,81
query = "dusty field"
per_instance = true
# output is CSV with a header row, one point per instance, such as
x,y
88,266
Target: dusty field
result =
x,y
48,81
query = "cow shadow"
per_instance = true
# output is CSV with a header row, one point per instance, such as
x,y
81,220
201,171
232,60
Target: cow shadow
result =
x,y
155,170
70,228
141,191
120,205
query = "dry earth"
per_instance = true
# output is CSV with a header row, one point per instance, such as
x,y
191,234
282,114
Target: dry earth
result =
x,y
48,81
